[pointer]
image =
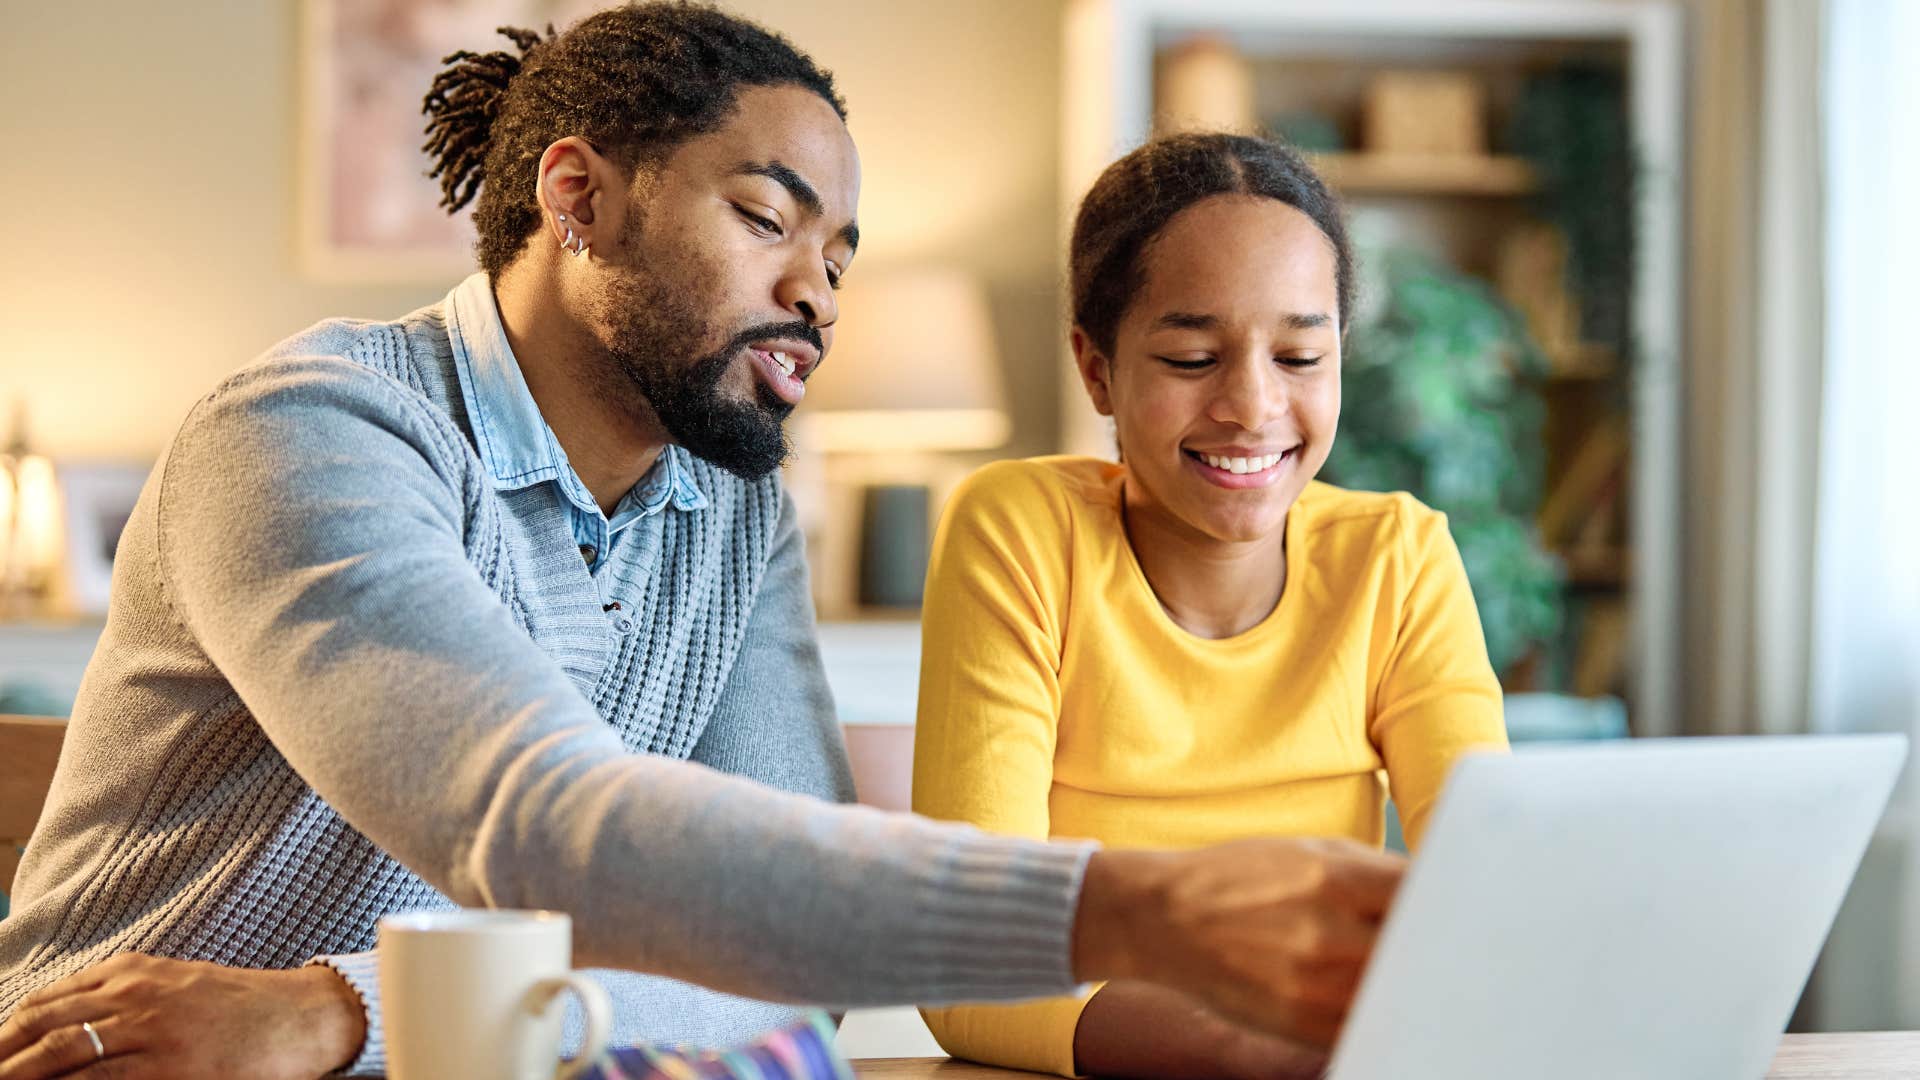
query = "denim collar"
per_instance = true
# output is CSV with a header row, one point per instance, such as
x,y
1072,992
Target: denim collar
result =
x,y
515,443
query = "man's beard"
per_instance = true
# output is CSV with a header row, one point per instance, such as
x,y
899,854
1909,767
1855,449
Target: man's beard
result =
x,y
746,438
654,330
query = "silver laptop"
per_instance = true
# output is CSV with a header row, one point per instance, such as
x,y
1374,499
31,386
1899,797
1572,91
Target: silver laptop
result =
x,y
1638,910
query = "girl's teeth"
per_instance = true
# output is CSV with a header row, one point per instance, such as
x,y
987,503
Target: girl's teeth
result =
x,y
1240,466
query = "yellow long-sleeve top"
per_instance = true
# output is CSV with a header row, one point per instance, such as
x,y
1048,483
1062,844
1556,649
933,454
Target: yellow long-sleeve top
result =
x,y
1057,697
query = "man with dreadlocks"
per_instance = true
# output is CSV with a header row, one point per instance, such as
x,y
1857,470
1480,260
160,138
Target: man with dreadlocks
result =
x,y
501,604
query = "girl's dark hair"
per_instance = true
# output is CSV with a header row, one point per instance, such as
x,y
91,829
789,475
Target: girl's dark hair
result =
x,y
634,81
1131,203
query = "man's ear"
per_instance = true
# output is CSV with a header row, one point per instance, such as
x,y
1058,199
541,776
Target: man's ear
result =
x,y
575,184
1096,371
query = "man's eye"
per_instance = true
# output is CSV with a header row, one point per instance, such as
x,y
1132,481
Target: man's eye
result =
x,y
765,225
833,279
1298,361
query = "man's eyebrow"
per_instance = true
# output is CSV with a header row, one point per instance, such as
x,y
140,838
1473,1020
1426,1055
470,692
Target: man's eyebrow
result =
x,y
802,192
1303,321
796,185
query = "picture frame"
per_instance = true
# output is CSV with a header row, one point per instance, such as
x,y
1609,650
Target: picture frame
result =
x,y
97,498
368,212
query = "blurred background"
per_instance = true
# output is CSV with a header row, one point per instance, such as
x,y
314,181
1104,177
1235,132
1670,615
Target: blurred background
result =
x,y
1634,309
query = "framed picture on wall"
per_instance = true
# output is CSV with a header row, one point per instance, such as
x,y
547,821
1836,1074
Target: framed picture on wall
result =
x,y
368,211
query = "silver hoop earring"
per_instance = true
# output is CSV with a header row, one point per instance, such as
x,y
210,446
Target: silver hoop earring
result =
x,y
580,247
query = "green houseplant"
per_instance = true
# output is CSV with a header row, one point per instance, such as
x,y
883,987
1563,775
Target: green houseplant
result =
x,y
1441,399
1571,124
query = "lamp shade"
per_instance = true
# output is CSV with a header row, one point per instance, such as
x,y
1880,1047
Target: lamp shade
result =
x,y
30,533
913,367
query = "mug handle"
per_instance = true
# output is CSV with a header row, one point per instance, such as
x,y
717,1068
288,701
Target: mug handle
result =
x,y
593,1002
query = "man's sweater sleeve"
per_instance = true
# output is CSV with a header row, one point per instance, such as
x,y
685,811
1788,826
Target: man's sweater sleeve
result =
x,y
315,520
774,723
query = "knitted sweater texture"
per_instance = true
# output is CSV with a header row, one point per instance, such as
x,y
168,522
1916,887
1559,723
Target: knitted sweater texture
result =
x,y
343,675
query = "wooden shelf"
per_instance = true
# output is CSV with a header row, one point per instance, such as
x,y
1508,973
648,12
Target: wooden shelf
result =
x,y
1402,174
1585,362
1601,567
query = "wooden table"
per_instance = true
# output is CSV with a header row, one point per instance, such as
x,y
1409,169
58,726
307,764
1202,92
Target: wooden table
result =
x,y
1869,1055
1881,1055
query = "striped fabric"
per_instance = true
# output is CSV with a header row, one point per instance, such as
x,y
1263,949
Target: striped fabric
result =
x,y
800,1051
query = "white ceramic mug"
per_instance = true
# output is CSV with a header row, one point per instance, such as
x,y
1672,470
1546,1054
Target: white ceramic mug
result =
x,y
475,995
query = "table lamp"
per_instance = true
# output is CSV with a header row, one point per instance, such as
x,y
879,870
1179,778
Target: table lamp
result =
x,y
29,525
913,369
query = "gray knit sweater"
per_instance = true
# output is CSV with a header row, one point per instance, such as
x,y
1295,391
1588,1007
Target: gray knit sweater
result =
x,y
343,676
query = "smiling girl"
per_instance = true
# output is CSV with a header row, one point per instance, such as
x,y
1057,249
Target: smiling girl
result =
x,y
1201,642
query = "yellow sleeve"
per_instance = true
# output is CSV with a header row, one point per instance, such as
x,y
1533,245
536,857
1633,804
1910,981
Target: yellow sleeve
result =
x,y
1437,698
989,713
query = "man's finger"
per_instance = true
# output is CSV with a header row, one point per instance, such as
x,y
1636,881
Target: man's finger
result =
x,y
22,1027
66,1049
31,1023
1313,1027
131,1067
1331,984
1334,936
90,977
1366,880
